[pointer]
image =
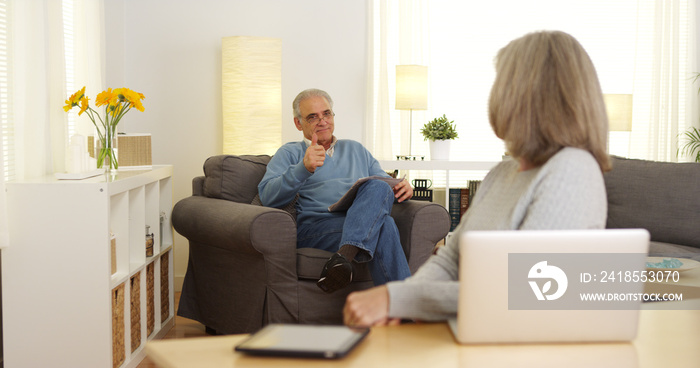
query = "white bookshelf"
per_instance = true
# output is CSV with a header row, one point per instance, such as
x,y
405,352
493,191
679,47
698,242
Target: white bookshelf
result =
x,y
437,165
57,279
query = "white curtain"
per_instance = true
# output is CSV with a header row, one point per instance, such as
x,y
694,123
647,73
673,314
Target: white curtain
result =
x,y
397,35
6,130
4,228
39,77
37,71
88,55
665,101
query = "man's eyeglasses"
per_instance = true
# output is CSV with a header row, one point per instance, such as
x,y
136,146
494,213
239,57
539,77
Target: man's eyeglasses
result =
x,y
315,119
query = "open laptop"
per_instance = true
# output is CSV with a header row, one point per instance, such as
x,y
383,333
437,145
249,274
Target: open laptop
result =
x,y
550,286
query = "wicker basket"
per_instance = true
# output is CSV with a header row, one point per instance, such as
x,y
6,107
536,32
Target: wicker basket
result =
x,y
164,287
118,353
135,312
133,149
150,299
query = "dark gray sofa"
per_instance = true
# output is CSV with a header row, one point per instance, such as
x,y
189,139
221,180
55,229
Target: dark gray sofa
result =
x,y
244,269
662,197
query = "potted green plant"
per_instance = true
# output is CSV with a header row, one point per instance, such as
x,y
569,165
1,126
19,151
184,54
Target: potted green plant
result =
x,y
691,147
439,132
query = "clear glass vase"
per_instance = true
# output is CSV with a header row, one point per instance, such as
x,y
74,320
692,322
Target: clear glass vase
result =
x,y
107,157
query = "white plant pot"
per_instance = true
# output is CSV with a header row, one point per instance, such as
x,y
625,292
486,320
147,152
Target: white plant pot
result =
x,y
440,150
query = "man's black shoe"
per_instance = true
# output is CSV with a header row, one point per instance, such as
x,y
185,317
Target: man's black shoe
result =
x,y
336,274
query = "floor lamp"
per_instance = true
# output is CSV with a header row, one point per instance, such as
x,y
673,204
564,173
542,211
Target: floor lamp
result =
x,y
251,91
619,109
411,94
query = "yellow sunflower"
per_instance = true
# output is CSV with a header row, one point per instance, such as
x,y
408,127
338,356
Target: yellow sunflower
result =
x,y
84,104
105,97
74,99
134,98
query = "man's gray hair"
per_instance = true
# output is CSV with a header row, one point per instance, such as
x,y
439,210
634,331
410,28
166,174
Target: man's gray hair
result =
x,y
311,92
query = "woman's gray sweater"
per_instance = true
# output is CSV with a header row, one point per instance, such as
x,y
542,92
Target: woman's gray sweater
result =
x,y
567,192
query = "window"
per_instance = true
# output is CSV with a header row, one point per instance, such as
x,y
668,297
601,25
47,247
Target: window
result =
x,y
464,42
463,38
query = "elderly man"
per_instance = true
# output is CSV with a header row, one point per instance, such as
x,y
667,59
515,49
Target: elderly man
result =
x,y
320,169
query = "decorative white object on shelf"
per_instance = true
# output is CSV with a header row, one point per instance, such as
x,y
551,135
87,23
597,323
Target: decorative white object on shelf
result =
x,y
440,150
78,163
439,132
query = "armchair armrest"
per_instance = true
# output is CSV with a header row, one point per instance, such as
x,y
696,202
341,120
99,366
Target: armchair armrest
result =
x,y
421,225
235,226
241,258
198,186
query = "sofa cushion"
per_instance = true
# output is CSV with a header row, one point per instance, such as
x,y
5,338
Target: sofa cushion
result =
x,y
234,178
662,197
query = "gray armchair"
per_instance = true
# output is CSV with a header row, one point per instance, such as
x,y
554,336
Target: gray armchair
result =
x,y
244,269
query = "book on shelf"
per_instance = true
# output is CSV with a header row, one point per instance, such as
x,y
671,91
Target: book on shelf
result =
x,y
473,187
459,201
454,207
463,201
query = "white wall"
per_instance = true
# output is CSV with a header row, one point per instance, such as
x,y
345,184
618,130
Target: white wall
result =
x,y
170,50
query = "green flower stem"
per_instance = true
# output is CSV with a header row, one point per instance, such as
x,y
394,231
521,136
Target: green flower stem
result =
x,y
107,133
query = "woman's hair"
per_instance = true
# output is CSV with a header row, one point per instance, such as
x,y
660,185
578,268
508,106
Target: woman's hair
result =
x,y
308,93
546,96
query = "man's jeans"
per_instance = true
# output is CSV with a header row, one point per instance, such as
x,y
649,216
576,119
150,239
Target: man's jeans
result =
x,y
366,225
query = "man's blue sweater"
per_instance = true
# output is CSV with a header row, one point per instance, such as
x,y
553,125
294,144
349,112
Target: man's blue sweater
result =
x,y
286,176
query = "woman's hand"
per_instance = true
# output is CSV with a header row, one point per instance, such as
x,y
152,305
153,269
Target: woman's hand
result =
x,y
368,308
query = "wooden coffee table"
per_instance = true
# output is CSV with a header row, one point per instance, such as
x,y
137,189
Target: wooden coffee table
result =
x,y
667,338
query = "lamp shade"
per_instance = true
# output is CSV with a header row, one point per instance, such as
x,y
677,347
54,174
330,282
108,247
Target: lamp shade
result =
x,y
619,108
251,95
411,87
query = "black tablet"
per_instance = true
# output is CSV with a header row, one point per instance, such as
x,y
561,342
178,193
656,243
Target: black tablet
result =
x,y
308,341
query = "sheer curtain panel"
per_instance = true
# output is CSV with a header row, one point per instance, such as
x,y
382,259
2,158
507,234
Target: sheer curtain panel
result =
x,y
665,102
397,35
51,48
7,130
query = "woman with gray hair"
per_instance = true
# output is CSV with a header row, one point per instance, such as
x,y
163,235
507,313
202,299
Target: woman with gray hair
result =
x,y
547,105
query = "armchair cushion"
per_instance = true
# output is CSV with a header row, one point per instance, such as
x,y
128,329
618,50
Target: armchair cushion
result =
x,y
290,207
234,178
